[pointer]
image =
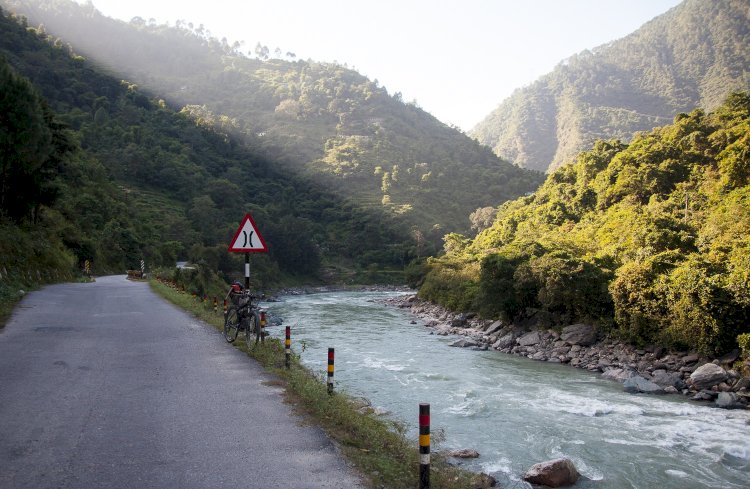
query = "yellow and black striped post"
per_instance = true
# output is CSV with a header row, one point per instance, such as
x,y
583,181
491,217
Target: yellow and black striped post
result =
x,y
330,371
216,305
263,322
287,346
225,307
424,446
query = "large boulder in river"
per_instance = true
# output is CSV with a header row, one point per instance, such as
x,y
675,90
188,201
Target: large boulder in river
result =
x,y
464,453
579,334
553,473
618,374
728,400
667,379
460,321
529,339
464,343
494,327
707,376
638,384
505,342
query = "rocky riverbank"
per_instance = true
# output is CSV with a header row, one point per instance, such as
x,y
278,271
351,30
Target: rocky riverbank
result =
x,y
651,370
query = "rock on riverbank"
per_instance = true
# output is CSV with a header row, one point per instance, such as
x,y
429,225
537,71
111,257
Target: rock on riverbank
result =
x,y
650,369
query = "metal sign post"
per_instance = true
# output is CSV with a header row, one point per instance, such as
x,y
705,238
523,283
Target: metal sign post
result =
x,y
247,270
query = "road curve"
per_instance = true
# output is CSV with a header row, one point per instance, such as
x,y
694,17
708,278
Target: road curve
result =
x,y
105,385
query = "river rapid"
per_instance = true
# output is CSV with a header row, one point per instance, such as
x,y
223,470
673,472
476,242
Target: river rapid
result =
x,y
514,411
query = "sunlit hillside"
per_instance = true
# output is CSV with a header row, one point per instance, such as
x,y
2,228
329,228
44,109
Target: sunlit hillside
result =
x,y
692,56
649,240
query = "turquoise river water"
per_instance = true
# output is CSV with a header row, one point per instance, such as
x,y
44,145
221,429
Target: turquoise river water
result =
x,y
514,411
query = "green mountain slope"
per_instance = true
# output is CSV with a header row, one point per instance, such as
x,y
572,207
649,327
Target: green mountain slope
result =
x,y
325,121
692,56
650,240
146,182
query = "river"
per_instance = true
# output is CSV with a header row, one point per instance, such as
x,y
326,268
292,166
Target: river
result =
x,y
514,411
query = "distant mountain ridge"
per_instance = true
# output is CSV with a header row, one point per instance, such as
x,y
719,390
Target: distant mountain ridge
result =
x,y
323,120
691,56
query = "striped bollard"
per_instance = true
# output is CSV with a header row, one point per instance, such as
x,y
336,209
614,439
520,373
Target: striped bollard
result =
x,y
424,446
287,346
330,371
263,322
225,308
216,305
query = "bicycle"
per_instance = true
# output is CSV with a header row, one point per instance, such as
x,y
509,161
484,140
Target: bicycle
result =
x,y
243,314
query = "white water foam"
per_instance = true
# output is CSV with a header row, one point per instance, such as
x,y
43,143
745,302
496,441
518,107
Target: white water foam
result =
x,y
370,362
467,408
574,404
677,473
503,465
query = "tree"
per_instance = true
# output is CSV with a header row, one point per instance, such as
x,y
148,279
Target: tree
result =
x,y
31,144
261,51
482,218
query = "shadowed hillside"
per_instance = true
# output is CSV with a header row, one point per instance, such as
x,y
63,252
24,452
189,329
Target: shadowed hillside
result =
x,y
324,121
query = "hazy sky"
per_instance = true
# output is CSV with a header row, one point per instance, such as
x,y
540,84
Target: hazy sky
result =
x,y
458,59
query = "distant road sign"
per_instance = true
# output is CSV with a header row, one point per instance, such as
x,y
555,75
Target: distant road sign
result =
x,y
247,238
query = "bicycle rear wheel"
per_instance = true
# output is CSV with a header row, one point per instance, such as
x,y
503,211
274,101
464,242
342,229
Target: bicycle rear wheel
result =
x,y
252,329
231,324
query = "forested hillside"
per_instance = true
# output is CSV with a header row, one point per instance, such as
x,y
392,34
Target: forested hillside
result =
x,y
323,120
692,56
102,172
649,240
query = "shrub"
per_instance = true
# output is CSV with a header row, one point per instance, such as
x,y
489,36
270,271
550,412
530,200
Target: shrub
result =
x,y
744,341
638,294
566,286
451,283
703,312
497,295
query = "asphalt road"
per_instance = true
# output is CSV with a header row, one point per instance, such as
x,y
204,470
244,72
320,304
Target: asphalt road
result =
x,y
105,385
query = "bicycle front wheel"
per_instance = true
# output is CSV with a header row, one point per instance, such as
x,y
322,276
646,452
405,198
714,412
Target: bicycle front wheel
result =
x,y
252,331
231,324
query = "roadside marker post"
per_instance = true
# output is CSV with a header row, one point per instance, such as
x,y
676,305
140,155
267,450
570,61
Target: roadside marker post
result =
x,y
424,446
287,346
330,370
263,322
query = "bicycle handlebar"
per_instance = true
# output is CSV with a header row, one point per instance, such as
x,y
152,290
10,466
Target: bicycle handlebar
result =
x,y
245,293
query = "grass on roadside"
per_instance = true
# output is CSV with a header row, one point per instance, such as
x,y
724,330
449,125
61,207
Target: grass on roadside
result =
x,y
376,446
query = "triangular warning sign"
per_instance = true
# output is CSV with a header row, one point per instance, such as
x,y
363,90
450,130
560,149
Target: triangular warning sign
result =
x,y
247,238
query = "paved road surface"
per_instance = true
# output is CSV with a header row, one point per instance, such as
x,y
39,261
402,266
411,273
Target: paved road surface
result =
x,y
105,385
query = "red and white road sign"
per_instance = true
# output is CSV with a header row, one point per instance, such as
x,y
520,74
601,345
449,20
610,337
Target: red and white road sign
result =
x,y
247,238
